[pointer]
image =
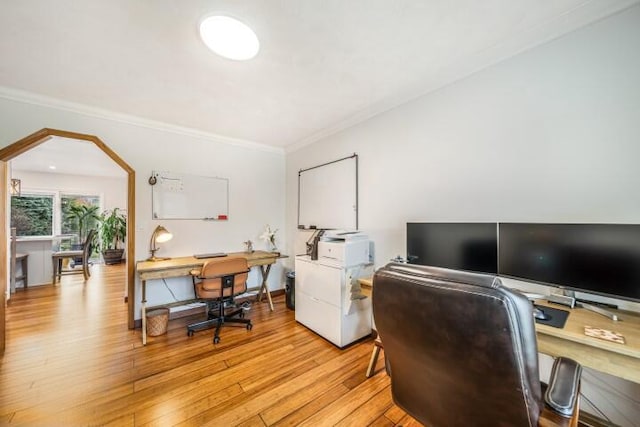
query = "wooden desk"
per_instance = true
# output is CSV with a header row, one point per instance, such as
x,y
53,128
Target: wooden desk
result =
x,y
620,360
367,286
182,266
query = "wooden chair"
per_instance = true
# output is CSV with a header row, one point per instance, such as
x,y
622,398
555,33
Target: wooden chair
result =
x,y
220,280
84,253
377,346
461,350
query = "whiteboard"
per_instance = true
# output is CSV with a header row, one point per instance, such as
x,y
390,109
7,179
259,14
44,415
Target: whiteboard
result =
x,y
182,196
328,195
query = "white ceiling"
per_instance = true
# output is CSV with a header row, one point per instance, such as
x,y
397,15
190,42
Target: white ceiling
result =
x,y
323,64
67,156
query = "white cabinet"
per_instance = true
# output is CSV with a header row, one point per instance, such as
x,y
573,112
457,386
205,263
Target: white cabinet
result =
x,y
328,301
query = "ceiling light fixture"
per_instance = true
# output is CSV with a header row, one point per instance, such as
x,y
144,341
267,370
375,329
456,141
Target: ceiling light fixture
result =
x,y
229,37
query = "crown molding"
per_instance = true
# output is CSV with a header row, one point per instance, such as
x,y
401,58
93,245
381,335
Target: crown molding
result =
x,y
90,111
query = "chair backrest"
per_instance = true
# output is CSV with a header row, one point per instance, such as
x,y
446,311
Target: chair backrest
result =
x,y
213,274
88,245
461,349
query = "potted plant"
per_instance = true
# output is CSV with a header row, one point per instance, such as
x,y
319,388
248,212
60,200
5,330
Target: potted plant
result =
x,y
112,230
84,216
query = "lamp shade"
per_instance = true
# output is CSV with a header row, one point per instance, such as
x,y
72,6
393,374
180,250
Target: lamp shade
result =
x,y
162,234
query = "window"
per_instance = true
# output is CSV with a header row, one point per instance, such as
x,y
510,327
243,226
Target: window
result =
x,y
32,214
52,214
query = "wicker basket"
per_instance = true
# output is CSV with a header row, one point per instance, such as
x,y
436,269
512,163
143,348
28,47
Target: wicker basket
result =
x,y
157,321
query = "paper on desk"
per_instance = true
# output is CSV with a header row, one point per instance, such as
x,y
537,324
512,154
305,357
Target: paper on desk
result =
x,y
604,334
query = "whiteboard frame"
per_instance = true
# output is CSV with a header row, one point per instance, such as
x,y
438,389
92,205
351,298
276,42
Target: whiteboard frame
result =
x,y
354,156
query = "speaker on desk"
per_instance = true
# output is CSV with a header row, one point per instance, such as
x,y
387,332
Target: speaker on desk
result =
x,y
290,290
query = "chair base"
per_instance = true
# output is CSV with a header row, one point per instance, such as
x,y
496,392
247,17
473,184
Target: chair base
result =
x,y
236,316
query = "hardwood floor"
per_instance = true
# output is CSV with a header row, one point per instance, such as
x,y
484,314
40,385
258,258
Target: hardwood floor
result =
x,y
70,360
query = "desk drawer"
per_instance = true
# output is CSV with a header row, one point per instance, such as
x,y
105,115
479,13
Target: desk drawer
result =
x,y
320,281
320,317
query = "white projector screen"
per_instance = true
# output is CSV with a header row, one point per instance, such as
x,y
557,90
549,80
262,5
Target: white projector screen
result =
x,y
328,195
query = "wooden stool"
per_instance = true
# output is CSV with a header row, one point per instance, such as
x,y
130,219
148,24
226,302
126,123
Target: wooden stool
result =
x,y
23,259
377,346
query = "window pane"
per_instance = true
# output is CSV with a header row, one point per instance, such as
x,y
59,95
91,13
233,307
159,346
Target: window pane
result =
x,y
32,215
79,214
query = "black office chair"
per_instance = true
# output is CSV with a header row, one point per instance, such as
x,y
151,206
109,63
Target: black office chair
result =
x,y
461,350
217,283
83,254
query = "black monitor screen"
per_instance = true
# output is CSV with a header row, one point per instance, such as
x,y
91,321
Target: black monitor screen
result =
x,y
461,246
596,258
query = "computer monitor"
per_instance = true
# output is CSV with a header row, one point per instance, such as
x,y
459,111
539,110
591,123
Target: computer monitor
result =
x,y
601,259
461,246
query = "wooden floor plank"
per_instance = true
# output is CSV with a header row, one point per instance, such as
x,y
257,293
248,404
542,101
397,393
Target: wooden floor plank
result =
x,y
70,360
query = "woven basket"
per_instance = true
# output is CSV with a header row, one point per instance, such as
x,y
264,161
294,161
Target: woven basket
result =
x,y
157,321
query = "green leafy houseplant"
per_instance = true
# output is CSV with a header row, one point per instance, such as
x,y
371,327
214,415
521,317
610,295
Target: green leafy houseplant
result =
x,y
112,231
83,216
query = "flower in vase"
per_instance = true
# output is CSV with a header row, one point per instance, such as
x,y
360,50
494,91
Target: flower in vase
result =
x,y
269,236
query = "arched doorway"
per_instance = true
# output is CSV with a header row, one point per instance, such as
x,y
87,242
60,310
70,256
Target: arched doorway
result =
x,y
9,152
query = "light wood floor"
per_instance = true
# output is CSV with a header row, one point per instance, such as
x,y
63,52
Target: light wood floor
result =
x,y
70,360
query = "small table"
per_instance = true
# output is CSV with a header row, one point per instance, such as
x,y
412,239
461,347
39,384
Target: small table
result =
x,y
182,266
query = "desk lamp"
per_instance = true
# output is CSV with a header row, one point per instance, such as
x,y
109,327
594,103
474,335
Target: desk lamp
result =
x,y
160,235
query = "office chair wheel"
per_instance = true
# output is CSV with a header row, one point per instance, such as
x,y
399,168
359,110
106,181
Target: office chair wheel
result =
x,y
190,333
241,315
249,326
216,340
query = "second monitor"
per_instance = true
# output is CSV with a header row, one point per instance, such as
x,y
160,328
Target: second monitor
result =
x,y
456,245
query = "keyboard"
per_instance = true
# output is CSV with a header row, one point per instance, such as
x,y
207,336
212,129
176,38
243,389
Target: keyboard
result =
x,y
211,255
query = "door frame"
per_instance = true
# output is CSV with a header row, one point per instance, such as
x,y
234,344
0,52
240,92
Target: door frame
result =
x,y
25,144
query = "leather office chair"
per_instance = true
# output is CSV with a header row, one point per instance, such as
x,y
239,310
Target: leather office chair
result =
x,y
84,253
219,281
461,350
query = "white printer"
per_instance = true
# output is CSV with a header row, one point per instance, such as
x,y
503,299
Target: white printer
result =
x,y
346,248
329,300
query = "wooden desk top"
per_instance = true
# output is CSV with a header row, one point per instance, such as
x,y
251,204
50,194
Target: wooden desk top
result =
x,y
573,330
366,285
181,266
620,360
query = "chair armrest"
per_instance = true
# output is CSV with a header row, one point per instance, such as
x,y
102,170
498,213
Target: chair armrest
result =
x,y
564,386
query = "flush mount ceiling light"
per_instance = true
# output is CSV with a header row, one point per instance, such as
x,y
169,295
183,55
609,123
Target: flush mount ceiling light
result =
x,y
229,37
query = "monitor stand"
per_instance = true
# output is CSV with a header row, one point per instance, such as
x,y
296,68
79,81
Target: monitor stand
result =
x,y
599,310
568,298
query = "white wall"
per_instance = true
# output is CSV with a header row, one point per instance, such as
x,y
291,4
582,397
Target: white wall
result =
x,y
256,183
548,135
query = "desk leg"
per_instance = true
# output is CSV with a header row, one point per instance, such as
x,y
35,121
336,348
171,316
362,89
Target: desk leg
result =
x,y
264,270
144,312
